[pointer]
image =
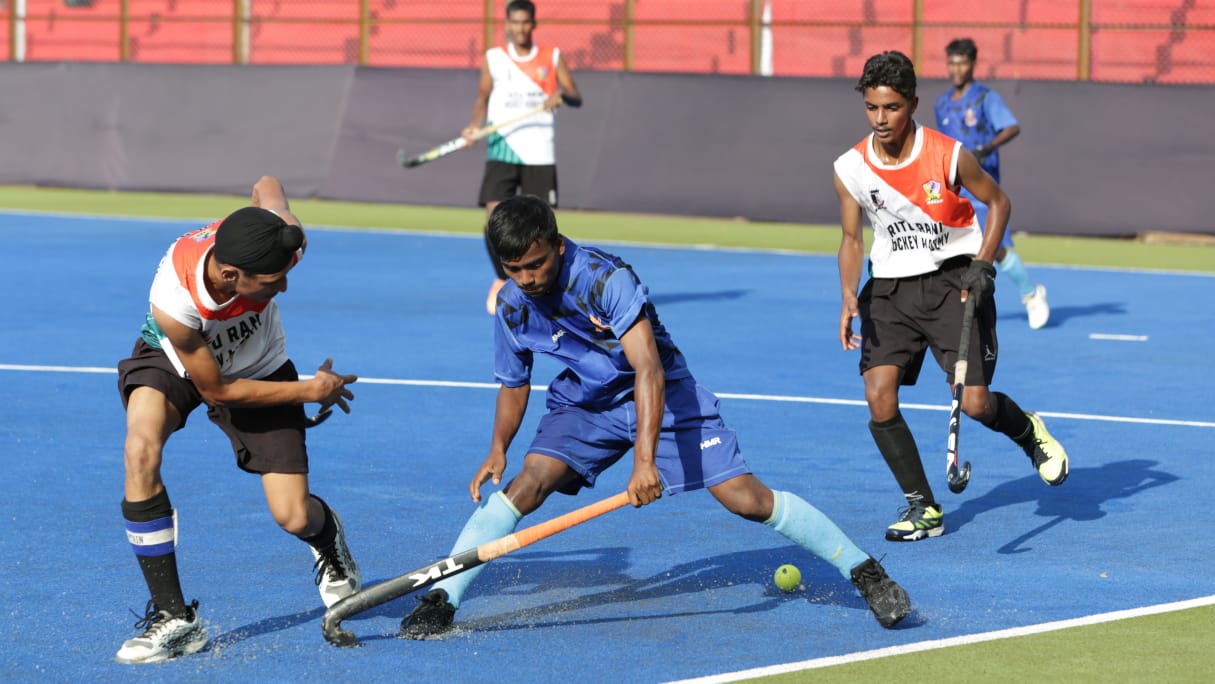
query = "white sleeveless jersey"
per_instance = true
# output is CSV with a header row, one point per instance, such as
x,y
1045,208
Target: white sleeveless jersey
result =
x,y
917,216
522,82
246,337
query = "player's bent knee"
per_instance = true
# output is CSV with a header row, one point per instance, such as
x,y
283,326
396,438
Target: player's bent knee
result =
x,y
292,518
746,497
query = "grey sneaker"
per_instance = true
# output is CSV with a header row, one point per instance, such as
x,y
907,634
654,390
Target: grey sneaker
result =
x,y
165,636
887,600
337,575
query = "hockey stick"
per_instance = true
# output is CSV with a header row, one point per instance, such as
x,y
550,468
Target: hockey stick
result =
x,y
459,143
959,478
331,625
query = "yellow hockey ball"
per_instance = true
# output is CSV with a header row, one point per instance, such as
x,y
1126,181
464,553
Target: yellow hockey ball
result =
x,y
788,577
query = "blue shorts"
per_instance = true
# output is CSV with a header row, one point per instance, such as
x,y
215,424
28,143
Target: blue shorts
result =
x,y
695,448
981,216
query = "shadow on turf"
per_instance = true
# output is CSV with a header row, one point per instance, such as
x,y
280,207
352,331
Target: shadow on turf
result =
x,y
680,297
592,568
529,573
1079,499
1060,314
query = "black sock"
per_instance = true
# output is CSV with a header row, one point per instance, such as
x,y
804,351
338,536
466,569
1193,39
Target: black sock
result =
x,y
159,571
1010,420
894,440
328,534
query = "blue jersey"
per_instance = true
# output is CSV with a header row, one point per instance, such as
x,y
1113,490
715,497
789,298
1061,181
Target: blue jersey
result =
x,y
974,119
597,298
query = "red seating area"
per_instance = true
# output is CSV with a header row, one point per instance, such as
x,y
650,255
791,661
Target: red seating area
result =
x,y
1132,40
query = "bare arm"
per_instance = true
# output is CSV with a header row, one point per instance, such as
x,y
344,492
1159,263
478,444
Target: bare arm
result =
x,y
567,92
851,257
268,194
972,177
326,387
649,394
508,416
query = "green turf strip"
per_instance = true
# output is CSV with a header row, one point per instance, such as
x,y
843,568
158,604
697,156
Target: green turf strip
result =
x,y
593,226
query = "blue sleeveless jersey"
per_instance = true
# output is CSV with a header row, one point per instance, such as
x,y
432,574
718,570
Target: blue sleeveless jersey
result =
x,y
597,299
975,119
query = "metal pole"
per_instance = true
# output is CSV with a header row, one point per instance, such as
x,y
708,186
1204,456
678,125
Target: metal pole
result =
x,y
364,31
628,34
917,38
1084,60
16,32
488,36
124,31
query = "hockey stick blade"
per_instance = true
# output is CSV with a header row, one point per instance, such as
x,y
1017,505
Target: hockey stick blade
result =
x,y
331,624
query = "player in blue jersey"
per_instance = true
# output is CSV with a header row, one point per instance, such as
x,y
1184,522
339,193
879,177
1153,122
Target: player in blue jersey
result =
x,y
626,386
976,115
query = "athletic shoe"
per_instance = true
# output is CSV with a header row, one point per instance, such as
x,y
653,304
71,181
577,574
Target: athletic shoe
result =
x,y
491,300
885,597
916,522
1050,460
1036,307
165,636
432,617
337,575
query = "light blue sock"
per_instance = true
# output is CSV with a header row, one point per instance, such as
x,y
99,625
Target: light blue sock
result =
x,y
1014,269
807,527
497,517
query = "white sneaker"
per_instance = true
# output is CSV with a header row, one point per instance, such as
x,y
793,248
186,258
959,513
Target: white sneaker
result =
x,y
337,575
1036,307
165,637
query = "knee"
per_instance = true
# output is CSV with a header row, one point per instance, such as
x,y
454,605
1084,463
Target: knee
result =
x,y
293,516
141,455
976,403
746,497
527,492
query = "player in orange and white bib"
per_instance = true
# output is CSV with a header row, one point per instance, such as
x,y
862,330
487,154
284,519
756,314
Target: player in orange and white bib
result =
x,y
928,255
213,336
521,158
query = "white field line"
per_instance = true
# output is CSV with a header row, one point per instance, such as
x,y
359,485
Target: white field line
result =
x,y
723,395
964,640
1118,337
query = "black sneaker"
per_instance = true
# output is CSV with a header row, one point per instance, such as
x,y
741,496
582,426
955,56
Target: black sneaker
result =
x,y
432,617
885,597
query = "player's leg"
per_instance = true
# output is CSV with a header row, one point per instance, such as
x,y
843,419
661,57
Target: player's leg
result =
x,y
157,402
270,442
306,516
995,410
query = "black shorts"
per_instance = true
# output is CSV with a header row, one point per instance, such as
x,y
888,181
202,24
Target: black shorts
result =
x,y
503,181
902,317
266,439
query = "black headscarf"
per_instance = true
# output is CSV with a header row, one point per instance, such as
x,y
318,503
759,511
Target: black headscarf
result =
x,y
257,241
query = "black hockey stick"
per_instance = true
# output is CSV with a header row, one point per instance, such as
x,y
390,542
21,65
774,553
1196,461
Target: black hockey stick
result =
x,y
959,477
320,417
331,624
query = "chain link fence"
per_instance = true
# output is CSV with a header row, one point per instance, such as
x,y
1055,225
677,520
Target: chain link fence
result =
x,y
1138,41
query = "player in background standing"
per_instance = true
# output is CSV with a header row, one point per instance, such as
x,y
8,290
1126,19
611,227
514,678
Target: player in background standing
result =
x,y
976,115
626,386
929,255
520,158
213,335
